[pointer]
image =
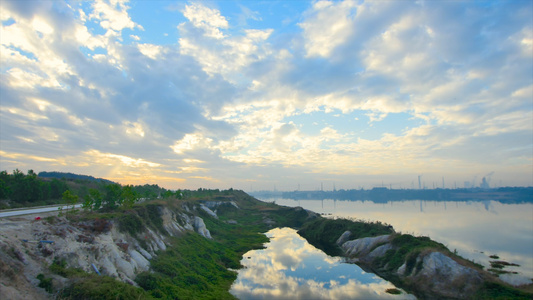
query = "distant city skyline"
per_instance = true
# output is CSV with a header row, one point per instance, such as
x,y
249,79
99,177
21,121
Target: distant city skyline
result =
x,y
254,95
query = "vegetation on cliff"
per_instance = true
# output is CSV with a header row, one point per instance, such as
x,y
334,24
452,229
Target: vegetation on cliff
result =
x,y
403,258
323,233
190,266
23,190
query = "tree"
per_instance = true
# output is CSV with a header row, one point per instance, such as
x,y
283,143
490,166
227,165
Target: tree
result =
x,y
128,196
96,198
57,188
19,192
93,200
4,189
88,203
70,198
45,190
112,196
168,194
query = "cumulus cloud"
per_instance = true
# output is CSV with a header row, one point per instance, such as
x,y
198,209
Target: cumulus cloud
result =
x,y
432,86
203,39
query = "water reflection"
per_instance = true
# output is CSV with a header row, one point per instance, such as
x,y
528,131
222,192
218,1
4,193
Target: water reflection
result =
x,y
290,268
476,229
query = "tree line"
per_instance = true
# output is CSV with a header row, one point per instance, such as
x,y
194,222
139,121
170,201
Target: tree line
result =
x,y
23,189
19,190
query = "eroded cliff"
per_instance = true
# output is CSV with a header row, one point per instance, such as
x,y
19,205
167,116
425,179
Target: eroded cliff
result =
x,y
117,245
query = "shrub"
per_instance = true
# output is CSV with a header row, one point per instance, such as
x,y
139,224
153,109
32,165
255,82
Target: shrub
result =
x,y
130,223
102,287
45,283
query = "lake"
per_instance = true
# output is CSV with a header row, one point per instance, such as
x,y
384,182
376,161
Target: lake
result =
x,y
290,268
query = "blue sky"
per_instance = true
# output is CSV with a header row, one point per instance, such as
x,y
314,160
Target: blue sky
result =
x,y
264,94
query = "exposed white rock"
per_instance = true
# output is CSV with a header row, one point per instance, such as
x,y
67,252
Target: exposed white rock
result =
x,y
144,253
200,228
438,264
123,266
207,210
360,247
107,267
142,263
169,222
189,221
344,237
214,204
379,251
401,269
112,252
445,273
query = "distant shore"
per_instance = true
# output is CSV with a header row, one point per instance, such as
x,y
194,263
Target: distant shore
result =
x,y
383,194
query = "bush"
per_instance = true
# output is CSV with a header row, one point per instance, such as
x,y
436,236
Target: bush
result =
x,y
102,287
130,223
45,283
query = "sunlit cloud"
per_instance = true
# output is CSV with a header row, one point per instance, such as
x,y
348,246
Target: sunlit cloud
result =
x,y
111,159
332,89
22,157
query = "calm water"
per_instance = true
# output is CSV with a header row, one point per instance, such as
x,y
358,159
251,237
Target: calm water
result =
x,y
475,229
290,268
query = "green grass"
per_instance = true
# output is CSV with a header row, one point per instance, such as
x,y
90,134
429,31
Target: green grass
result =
x,y
407,249
59,267
93,286
393,291
497,291
84,285
192,268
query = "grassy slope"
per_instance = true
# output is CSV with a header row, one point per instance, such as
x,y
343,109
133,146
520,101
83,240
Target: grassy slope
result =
x,y
192,267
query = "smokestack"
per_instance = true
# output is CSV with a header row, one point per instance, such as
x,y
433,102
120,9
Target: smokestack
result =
x,y
419,184
484,183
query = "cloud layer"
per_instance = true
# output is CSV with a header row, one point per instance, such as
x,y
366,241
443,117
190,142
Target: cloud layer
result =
x,y
350,92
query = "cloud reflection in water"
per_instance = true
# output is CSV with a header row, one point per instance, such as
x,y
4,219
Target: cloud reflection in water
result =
x,y
476,229
291,268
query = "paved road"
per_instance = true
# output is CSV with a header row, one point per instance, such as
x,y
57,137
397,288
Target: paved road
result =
x,y
30,211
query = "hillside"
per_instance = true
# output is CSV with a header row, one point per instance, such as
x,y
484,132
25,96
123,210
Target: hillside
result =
x,y
161,248
67,175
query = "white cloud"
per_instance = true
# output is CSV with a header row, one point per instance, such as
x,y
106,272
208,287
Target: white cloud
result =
x,y
191,142
152,51
330,25
207,19
439,84
113,15
216,52
109,158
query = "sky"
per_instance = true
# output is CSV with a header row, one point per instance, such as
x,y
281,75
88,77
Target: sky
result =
x,y
263,95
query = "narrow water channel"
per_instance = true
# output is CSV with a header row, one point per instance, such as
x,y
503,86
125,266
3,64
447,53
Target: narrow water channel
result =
x,y
290,268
